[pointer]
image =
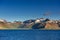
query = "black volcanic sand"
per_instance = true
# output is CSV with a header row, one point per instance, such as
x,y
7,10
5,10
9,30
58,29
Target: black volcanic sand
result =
x,y
29,34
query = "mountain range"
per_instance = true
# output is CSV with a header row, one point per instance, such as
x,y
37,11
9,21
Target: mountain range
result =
x,y
40,23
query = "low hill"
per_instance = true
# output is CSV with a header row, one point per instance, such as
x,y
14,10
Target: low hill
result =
x,y
51,26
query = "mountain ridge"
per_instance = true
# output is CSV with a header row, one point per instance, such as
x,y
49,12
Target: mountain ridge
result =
x,y
40,23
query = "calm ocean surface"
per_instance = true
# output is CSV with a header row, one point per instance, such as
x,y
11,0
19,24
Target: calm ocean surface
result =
x,y
29,34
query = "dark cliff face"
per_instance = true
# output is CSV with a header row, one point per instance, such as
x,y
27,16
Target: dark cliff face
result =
x,y
29,21
47,20
38,25
27,24
58,24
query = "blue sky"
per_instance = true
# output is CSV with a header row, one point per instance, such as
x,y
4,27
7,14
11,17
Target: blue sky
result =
x,y
29,9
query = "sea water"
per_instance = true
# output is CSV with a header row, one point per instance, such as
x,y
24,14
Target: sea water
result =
x,y
29,34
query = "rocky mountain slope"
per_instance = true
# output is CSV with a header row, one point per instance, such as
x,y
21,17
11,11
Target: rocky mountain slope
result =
x,y
40,23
